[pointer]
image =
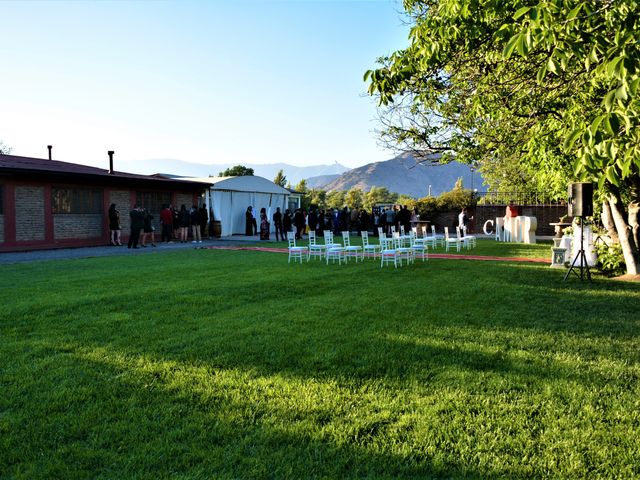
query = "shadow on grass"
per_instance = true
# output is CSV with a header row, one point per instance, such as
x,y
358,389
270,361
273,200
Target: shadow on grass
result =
x,y
116,414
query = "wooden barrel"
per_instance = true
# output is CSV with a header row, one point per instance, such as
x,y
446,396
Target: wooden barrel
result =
x,y
217,228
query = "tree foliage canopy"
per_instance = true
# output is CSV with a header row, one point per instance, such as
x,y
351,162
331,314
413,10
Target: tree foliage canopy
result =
x,y
280,178
537,93
237,171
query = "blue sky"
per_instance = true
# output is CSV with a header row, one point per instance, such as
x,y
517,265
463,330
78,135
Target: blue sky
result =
x,y
219,81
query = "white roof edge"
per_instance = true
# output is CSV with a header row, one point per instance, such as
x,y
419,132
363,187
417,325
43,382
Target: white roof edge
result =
x,y
248,183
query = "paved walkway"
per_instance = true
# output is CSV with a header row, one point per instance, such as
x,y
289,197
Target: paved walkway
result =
x,y
105,251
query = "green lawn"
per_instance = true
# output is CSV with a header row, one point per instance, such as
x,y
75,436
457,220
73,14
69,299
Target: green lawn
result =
x,y
217,364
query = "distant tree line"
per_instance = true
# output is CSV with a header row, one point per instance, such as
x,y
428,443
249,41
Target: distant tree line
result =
x,y
355,197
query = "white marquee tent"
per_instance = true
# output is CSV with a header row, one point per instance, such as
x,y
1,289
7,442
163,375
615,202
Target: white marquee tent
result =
x,y
230,196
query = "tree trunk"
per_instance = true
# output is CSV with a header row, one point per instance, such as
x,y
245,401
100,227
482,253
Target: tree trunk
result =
x,y
625,233
608,222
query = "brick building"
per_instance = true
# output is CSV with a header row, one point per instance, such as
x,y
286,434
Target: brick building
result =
x,y
49,204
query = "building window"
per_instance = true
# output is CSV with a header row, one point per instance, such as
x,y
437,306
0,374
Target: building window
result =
x,y
76,200
153,201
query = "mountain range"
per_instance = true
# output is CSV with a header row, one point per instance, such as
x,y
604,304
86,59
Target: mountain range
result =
x,y
189,169
402,174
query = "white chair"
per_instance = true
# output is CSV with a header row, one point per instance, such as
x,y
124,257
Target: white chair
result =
x,y
369,247
419,248
315,249
328,239
448,240
470,241
414,238
402,252
334,251
426,239
354,251
405,238
295,251
388,252
437,238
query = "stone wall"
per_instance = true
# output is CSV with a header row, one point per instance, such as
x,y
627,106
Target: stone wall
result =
x,y
70,226
29,213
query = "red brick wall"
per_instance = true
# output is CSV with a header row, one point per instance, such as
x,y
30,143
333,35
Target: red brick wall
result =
x,y
28,222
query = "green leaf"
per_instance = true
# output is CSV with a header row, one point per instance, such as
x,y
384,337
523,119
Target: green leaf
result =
x,y
511,44
522,45
571,139
542,71
574,13
633,87
596,124
521,12
612,176
612,65
621,92
608,100
612,123
551,66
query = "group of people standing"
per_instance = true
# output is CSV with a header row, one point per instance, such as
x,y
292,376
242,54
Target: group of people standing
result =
x,y
303,221
175,225
396,216
141,228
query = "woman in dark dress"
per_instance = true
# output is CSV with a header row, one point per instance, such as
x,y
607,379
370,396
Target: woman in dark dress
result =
x,y
264,224
286,224
185,221
148,230
114,225
248,222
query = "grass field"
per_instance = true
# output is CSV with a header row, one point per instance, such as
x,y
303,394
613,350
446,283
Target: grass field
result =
x,y
216,364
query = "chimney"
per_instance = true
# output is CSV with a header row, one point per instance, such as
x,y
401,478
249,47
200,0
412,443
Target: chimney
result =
x,y
110,152
49,147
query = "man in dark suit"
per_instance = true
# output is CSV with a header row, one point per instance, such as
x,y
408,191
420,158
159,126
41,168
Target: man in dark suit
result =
x,y
137,224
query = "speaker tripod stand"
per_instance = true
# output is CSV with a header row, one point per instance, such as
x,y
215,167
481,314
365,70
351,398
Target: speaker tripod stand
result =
x,y
581,256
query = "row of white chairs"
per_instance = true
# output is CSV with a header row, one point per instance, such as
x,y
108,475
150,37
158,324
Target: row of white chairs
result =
x,y
397,249
462,239
390,249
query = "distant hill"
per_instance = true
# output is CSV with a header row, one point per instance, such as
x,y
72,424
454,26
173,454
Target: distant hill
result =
x,y
189,169
404,176
321,180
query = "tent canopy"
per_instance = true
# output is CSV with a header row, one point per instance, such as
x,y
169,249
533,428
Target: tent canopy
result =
x,y
229,198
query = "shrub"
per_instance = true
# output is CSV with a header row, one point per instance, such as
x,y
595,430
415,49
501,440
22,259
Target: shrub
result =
x,y
610,259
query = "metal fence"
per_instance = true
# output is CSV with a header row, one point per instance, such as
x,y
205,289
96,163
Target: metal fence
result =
x,y
519,198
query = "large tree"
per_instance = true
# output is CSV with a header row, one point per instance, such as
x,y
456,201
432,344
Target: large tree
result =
x,y
237,171
280,178
537,93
